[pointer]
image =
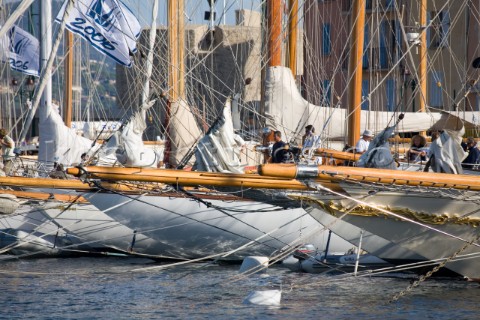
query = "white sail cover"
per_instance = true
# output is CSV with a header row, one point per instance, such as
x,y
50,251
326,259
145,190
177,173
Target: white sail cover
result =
x,y
288,112
108,25
184,132
219,150
447,152
378,154
130,149
62,144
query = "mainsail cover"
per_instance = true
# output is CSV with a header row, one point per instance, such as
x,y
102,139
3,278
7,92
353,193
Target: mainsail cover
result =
x,y
219,150
447,152
378,154
62,144
288,112
183,131
130,149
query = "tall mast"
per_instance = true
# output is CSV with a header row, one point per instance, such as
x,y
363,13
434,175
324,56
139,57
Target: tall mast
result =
x,y
68,64
45,51
176,69
176,47
355,70
423,56
274,13
292,35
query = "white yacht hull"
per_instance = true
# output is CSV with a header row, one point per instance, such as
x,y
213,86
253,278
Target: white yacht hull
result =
x,y
187,228
55,228
452,213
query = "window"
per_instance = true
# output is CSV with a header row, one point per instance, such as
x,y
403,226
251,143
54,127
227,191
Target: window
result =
x,y
366,41
365,92
435,92
346,5
389,4
368,4
384,37
326,39
438,30
327,92
391,94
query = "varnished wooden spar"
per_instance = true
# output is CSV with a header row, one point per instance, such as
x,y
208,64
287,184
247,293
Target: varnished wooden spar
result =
x,y
43,183
384,176
24,182
189,178
45,196
339,155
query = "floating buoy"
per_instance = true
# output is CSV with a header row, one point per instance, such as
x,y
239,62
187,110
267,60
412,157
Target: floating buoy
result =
x,y
254,264
264,298
8,203
292,263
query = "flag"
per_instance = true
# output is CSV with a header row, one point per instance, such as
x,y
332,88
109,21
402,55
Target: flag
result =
x,y
23,51
108,25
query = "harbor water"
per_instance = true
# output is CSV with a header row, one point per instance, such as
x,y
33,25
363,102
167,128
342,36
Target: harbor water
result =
x,y
126,288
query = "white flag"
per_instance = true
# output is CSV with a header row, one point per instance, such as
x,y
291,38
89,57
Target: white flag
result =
x,y
23,51
107,24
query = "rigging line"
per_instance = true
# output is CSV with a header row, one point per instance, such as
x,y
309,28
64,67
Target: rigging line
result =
x,y
218,208
320,187
292,247
431,272
98,185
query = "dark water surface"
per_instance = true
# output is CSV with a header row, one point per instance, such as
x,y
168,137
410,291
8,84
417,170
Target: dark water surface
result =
x,y
114,288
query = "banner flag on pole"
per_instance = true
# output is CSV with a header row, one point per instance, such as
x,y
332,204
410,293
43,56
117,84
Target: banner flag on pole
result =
x,y
23,51
108,25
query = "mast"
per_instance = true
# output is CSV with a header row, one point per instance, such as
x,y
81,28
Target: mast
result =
x,y
355,70
292,35
45,51
68,64
176,69
274,14
423,58
176,53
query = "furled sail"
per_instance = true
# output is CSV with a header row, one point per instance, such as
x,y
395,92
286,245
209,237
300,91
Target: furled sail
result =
x,y
62,144
288,112
378,154
446,152
184,131
130,149
219,150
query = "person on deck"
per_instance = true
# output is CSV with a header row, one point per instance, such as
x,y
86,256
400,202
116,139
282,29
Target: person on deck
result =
x,y
473,157
364,142
310,142
417,150
279,150
7,150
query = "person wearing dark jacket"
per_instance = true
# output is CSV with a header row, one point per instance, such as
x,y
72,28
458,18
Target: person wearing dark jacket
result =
x,y
279,150
473,157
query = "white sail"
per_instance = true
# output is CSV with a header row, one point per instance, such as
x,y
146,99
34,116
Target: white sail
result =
x,y
219,150
184,133
290,113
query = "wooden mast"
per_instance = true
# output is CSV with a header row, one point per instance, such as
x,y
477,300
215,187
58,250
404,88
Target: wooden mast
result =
x,y
68,65
355,70
176,68
176,53
274,12
292,35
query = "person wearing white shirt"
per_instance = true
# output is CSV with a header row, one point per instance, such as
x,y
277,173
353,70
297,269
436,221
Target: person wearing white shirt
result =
x,y
364,142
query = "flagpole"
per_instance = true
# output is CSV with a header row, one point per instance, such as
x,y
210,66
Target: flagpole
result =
x,y
67,116
44,77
